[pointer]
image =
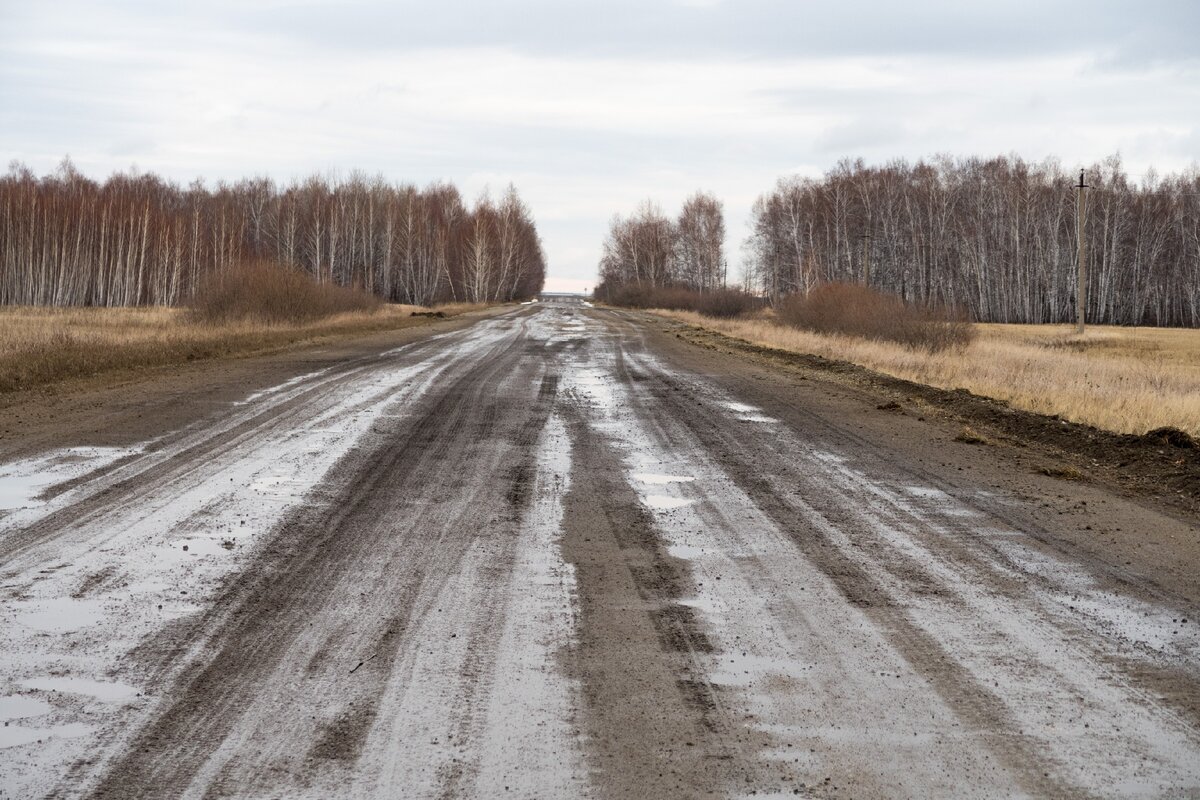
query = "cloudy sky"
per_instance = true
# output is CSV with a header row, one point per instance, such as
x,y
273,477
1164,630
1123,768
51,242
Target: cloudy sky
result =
x,y
591,107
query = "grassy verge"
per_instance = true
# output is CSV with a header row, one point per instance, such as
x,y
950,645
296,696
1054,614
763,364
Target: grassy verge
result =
x,y
42,346
1125,380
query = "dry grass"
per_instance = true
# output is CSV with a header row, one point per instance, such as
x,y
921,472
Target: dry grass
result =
x,y
1128,380
969,435
39,346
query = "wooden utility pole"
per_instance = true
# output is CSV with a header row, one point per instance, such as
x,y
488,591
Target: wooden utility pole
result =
x,y
1080,233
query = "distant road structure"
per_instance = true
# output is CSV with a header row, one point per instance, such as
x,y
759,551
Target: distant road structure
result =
x,y
563,298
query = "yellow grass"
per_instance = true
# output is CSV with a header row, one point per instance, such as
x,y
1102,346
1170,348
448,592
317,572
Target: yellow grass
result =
x,y
39,346
1128,380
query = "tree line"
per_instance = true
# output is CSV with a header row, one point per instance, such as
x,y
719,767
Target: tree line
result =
x,y
650,250
994,237
137,239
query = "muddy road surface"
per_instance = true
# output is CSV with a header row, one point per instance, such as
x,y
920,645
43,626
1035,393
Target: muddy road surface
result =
x,y
558,552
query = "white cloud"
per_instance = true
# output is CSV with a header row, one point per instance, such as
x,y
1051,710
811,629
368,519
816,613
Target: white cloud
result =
x,y
582,134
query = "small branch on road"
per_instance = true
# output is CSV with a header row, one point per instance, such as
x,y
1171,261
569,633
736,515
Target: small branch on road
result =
x,y
372,658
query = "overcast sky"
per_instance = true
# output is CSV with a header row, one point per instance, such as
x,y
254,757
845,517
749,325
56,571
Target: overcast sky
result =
x,y
590,107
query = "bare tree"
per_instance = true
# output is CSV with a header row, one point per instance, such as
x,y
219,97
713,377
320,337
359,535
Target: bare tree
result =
x,y
993,236
136,239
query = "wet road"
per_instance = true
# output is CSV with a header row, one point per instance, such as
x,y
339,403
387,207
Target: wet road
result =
x,y
556,554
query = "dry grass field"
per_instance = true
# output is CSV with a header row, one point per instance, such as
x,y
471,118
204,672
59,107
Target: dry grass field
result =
x,y
1128,380
39,346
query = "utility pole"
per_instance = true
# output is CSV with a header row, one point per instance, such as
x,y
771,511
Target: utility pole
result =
x,y
1081,286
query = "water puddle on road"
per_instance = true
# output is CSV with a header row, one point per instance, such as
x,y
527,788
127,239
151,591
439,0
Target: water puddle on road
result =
x,y
23,482
741,668
21,707
17,735
104,691
686,551
659,479
665,502
58,614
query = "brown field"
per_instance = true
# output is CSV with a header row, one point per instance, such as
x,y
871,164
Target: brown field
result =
x,y
1128,380
39,346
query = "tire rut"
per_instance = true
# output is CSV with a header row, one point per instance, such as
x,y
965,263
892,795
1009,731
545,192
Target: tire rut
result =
x,y
465,427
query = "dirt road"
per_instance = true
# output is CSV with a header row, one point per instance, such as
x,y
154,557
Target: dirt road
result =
x,y
558,552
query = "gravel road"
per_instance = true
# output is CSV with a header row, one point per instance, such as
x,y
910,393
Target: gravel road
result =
x,y
557,552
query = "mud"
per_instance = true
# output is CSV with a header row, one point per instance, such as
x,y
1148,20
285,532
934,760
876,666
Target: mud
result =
x,y
555,552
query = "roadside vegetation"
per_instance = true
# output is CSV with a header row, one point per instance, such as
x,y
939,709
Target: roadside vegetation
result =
x,y
267,293
850,310
724,303
256,309
1126,380
140,240
993,236
885,267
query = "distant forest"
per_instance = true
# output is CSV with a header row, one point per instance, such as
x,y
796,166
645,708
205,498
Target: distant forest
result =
x,y
650,250
995,237
137,239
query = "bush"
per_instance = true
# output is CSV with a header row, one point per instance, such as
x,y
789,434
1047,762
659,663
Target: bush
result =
x,y
727,303
715,303
855,310
266,292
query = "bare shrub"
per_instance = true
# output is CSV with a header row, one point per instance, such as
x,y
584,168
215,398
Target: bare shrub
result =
x,y
634,296
724,303
265,292
853,310
727,303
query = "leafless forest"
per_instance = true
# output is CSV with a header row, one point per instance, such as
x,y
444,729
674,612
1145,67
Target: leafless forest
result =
x,y
136,239
650,249
994,237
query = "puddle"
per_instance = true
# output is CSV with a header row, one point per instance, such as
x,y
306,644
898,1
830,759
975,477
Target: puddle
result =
x,y
21,707
686,551
756,418
60,614
659,479
15,735
105,691
664,502
744,669
742,408
21,482
19,491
